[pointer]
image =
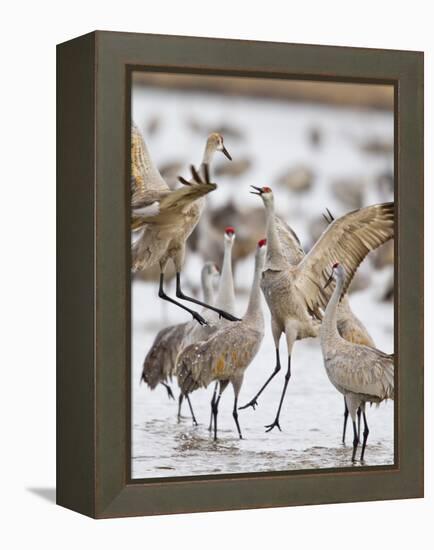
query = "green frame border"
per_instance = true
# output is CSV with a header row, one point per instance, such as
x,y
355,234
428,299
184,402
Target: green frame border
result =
x,y
93,373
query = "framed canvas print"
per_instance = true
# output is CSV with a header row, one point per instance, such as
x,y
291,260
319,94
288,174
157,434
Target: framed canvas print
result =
x,y
240,274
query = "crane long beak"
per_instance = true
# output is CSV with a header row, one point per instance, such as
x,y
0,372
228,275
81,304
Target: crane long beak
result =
x,y
258,190
226,153
329,280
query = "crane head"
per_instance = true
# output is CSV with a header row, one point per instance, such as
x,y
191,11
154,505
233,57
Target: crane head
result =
x,y
261,190
215,141
229,235
335,267
230,230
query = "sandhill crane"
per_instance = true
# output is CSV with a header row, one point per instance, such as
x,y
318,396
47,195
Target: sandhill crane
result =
x,y
226,289
225,356
166,218
360,373
226,293
225,296
352,330
225,300
293,284
160,362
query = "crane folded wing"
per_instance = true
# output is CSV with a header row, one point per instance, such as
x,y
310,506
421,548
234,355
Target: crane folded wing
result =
x,y
374,377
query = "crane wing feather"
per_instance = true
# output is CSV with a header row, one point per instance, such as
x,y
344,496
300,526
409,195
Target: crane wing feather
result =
x,y
171,204
370,372
220,357
289,241
145,177
346,240
160,361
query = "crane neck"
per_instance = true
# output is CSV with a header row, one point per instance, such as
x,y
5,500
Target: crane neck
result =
x,y
329,329
275,258
226,290
253,315
207,157
208,153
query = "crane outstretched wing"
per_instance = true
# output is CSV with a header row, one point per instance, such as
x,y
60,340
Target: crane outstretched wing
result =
x,y
346,240
167,208
145,177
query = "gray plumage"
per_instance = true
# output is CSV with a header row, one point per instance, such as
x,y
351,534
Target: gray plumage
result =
x,y
351,329
294,283
166,217
163,218
225,356
160,362
361,373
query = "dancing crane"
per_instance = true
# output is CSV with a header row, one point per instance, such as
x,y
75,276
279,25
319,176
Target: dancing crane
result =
x,y
163,219
353,330
361,373
293,283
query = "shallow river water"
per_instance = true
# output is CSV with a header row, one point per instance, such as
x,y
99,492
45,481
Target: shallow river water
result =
x,y
311,419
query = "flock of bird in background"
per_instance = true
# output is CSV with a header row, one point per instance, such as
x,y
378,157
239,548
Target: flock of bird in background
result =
x,y
306,294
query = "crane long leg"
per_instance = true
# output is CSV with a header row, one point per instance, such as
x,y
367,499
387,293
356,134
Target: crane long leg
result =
x,y
235,415
214,397
191,410
276,420
253,402
164,296
215,407
359,414
365,436
180,399
180,294
169,390
223,385
345,422
355,441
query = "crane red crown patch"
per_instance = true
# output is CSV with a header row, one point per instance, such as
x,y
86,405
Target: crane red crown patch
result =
x,y
229,230
262,242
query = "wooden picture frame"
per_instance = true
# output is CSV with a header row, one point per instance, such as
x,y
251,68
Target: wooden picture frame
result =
x,y
93,373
